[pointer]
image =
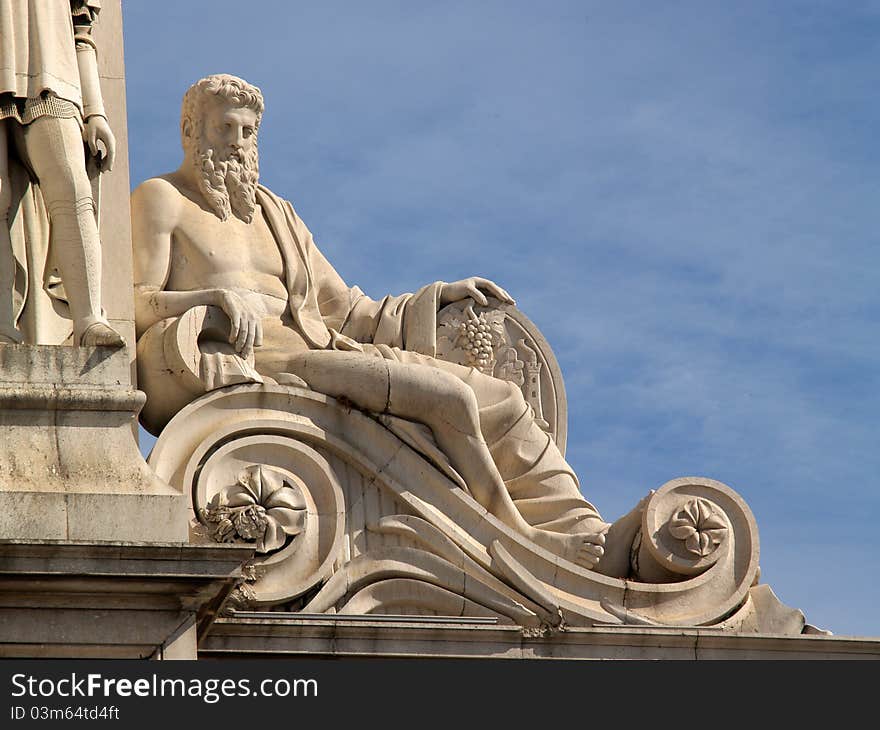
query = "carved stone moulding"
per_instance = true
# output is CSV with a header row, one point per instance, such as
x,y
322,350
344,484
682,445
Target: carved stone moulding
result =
x,y
686,528
348,519
697,553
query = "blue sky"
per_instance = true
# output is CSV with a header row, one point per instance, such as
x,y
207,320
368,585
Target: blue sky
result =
x,y
682,195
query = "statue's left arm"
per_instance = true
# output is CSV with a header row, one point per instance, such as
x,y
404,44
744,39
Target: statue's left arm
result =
x,y
407,321
96,129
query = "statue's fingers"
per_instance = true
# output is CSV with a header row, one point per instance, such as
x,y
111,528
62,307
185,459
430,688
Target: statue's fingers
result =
x,y
478,296
496,291
243,330
258,334
505,297
583,557
110,144
251,337
209,378
592,549
234,324
93,141
248,346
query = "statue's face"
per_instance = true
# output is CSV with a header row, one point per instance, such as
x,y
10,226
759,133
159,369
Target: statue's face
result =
x,y
231,131
222,148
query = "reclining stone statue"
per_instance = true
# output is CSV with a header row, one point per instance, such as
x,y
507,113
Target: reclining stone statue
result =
x,y
209,235
389,456
50,102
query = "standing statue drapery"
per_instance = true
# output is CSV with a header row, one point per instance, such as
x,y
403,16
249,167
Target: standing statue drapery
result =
x,y
50,103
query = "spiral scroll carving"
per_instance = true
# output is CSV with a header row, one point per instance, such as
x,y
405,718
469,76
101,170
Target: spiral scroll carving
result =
x,y
270,451
689,525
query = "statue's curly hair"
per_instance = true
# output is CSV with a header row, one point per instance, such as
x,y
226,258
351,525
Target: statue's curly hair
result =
x,y
237,91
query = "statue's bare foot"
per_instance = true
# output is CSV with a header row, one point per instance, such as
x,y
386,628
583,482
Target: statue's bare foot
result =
x,y
616,560
584,549
100,334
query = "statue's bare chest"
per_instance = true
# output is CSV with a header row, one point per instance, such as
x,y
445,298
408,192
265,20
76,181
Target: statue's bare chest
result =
x,y
208,243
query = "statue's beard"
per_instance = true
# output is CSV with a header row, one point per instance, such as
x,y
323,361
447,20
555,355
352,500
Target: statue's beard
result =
x,y
229,184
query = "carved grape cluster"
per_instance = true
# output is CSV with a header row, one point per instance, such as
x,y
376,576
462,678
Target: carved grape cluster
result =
x,y
477,334
245,521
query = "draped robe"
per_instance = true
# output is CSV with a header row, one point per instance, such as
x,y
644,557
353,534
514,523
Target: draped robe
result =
x,y
329,314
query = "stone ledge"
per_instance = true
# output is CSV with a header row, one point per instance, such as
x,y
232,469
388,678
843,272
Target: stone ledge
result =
x,y
79,398
255,634
106,599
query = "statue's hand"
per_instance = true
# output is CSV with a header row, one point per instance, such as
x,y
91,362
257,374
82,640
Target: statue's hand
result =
x,y
96,129
475,287
246,330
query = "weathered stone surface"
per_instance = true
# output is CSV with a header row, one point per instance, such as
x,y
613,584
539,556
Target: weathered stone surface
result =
x,y
69,464
111,599
392,471
384,532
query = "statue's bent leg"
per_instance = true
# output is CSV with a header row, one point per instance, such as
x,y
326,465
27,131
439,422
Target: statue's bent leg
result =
x,y
55,152
543,486
8,331
448,406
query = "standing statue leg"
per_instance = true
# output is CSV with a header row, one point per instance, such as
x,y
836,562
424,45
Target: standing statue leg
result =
x,y
54,149
9,333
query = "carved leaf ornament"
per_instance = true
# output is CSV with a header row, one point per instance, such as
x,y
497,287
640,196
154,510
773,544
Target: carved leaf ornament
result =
x,y
699,526
262,506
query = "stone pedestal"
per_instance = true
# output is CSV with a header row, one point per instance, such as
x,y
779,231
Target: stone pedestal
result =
x,y
111,600
70,468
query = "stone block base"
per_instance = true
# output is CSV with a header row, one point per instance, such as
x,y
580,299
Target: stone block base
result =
x,y
70,468
111,600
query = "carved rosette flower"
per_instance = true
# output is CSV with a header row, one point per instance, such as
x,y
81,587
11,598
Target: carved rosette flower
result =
x,y
262,506
699,526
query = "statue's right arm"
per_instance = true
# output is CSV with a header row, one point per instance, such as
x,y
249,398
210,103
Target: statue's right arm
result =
x,y
156,207
155,212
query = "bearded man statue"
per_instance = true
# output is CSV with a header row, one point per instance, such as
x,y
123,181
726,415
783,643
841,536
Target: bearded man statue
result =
x,y
208,235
